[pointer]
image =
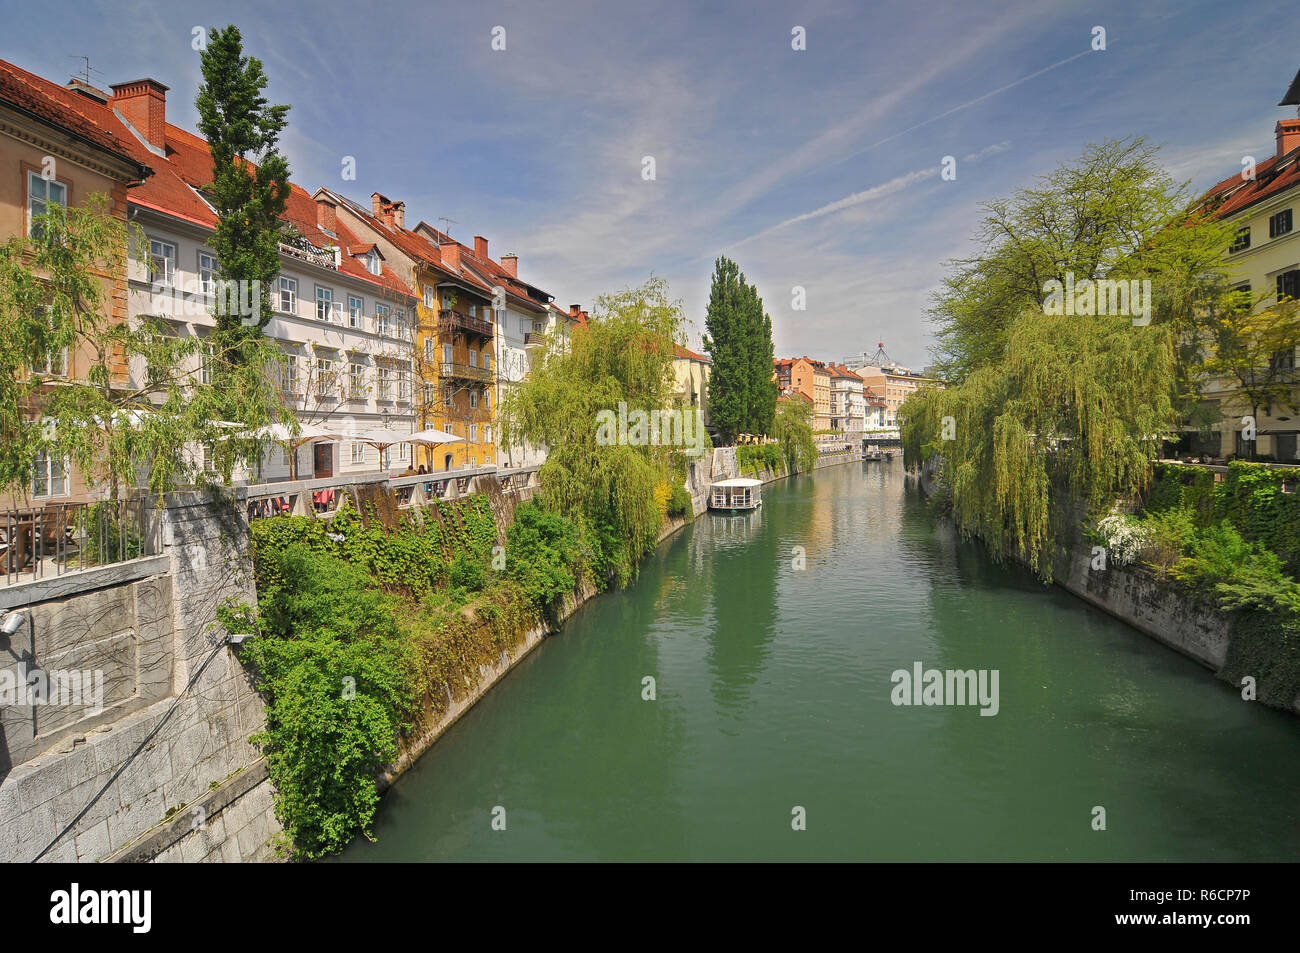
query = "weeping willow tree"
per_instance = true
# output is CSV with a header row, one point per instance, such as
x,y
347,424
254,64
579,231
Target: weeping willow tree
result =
x,y
1049,409
619,364
1075,411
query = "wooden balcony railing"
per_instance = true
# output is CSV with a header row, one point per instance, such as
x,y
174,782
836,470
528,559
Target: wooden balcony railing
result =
x,y
449,320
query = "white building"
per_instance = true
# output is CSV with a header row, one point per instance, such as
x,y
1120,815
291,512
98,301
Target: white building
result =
x,y
342,317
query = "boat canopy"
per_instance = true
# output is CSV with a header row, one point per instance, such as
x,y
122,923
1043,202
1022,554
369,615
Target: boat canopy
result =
x,y
739,482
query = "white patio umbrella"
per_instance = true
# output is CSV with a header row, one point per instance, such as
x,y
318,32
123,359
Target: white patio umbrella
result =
x,y
381,439
307,433
434,438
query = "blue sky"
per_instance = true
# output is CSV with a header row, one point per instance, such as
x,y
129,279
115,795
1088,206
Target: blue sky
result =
x,y
816,168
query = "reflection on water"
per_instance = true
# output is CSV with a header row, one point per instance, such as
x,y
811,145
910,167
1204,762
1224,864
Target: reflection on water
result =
x,y
772,690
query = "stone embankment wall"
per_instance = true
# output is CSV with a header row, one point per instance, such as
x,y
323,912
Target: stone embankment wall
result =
x,y
1156,607
86,785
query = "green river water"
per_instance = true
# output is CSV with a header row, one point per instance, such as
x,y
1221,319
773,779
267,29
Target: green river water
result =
x,y
774,692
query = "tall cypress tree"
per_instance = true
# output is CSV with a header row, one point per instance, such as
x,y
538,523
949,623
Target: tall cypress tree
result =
x,y
725,339
762,386
250,183
742,394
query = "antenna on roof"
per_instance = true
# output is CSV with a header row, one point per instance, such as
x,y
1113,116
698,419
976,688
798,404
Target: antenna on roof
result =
x,y
73,56
447,223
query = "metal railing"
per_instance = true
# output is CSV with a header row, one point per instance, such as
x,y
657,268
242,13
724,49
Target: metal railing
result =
x,y
449,320
466,371
323,497
51,539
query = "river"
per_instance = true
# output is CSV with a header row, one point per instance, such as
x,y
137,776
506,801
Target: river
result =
x,y
773,693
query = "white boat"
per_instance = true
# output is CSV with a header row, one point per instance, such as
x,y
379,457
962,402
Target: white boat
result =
x,y
737,495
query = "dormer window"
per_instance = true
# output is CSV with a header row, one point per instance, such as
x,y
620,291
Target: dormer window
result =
x,y
372,262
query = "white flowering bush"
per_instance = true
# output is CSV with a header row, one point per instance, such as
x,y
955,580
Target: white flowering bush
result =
x,y
1125,538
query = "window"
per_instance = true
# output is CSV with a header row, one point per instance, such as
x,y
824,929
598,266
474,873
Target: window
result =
x,y
162,262
56,363
286,459
487,433
289,375
383,385
430,350
356,382
487,400
473,400
358,453
473,358
381,319
429,300
403,451
324,302
1279,224
487,361
446,299
525,325
1288,284
41,194
206,358
473,461
207,273
473,433
372,262
324,375
288,295
355,308
403,384
446,352
49,476
399,319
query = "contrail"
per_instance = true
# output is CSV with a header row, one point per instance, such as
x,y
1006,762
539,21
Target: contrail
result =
x,y
959,108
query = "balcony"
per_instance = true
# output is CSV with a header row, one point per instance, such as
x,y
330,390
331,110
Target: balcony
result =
x,y
465,372
449,320
534,339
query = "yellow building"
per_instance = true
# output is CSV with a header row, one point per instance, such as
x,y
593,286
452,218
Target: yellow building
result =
x,y
1265,258
455,387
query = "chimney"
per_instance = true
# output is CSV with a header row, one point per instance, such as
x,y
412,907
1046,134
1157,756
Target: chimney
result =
x,y
143,103
326,212
575,310
377,203
480,248
399,214
1288,135
450,255
510,265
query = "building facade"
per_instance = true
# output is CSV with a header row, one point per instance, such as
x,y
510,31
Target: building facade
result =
x,y
58,147
1265,260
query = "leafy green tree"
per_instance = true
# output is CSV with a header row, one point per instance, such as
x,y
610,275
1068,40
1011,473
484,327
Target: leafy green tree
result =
x,y
250,184
1254,350
742,394
1115,213
792,428
1045,410
623,356
119,401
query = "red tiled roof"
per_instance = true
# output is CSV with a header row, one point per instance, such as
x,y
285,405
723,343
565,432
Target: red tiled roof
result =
x,y
690,355
1272,176
92,121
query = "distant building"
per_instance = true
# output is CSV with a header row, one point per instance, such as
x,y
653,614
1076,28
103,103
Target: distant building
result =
x,y
891,382
848,401
691,370
810,378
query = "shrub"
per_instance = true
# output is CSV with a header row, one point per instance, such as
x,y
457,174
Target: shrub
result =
x,y
542,554
1124,536
1238,574
1168,533
680,503
338,677
467,573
